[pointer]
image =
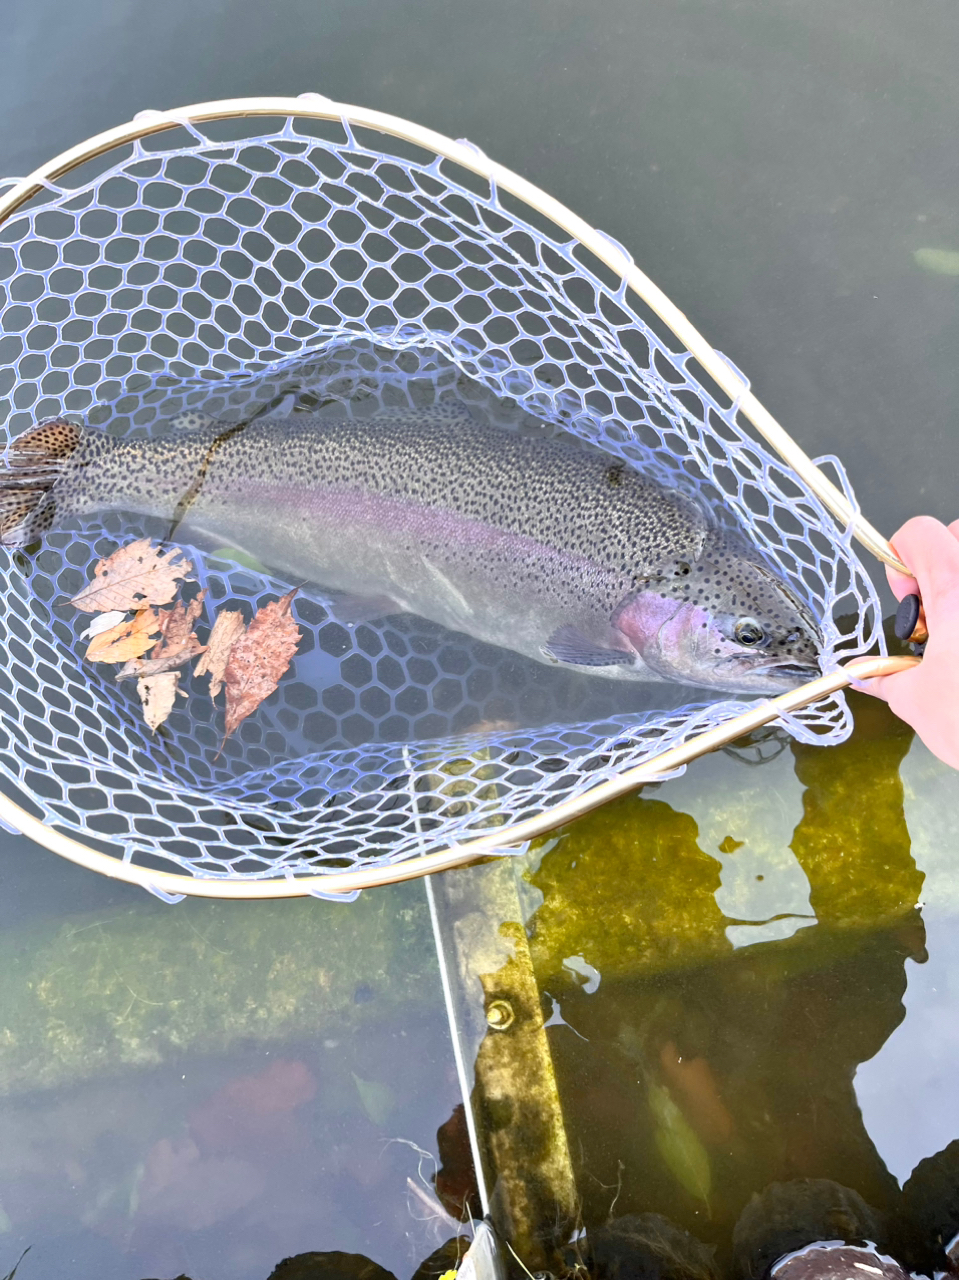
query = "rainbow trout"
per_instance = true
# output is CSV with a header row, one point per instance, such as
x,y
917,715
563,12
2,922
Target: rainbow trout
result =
x,y
536,545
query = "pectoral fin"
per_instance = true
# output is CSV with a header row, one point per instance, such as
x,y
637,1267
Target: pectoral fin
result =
x,y
566,644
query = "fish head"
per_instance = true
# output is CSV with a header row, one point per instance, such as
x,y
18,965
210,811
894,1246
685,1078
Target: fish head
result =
x,y
724,621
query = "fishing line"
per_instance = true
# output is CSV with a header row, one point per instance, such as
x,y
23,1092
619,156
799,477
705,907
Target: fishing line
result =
x,y
192,492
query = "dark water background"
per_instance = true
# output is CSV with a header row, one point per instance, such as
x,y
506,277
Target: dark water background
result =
x,y
774,166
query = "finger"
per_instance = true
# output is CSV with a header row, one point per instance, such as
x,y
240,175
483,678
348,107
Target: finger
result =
x,y
932,552
898,690
875,685
872,687
878,686
900,585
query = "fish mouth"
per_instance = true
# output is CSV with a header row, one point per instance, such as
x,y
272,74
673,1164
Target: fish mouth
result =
x,y
796,672
770,677
786,675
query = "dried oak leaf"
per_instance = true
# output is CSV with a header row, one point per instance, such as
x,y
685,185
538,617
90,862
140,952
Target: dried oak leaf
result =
x,y
178,643
227,629
126,640
133,577
258,659
157,694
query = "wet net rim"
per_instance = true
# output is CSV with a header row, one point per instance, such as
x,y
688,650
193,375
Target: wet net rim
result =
x,y
614,257
172,885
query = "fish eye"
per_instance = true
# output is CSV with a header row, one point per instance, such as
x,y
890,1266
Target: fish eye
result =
x,y
748,631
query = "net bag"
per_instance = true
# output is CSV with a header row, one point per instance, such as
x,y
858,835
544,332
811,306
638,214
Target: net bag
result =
x,y
288,254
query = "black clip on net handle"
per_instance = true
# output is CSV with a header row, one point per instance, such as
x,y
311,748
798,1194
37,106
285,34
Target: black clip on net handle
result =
x,y
907,620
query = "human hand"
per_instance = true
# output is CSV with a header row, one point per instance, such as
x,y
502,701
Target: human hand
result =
x,y
927,696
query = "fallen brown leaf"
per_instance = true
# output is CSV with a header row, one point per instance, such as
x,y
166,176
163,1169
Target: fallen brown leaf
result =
x,y
227,629
258,659
178,643
127,640
176,624
133,577
157,693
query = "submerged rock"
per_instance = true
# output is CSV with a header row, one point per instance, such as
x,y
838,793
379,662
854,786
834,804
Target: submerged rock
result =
x,y
927,1228
836,1262
446,1258
636,889
647,1246
852,841
330,1266
788,1216
941,262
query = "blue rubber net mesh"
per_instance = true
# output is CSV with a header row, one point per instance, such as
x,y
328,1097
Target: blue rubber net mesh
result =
x,y
306,265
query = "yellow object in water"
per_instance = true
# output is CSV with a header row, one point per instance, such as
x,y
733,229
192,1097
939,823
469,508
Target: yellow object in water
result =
x,y
942,262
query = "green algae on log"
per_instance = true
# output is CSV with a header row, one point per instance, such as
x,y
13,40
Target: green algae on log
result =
x,y
497,1016
629,888
135,988
852,841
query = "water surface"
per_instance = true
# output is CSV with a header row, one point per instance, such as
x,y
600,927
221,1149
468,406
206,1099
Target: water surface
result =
x,y
786,173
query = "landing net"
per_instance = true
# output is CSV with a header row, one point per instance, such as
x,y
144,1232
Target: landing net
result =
x,y
287,262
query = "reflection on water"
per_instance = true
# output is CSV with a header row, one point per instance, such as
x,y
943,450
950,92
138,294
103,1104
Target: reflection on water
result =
x,y
907,1091
694,1069
740,999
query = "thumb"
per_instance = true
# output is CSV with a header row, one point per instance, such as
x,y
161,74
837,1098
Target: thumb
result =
x,y
932,552
883,686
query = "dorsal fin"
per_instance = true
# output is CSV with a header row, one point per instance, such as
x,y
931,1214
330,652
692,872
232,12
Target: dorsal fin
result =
x,y
47,442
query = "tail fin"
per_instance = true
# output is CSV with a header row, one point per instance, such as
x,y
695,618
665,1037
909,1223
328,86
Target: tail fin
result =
x,y
34,463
